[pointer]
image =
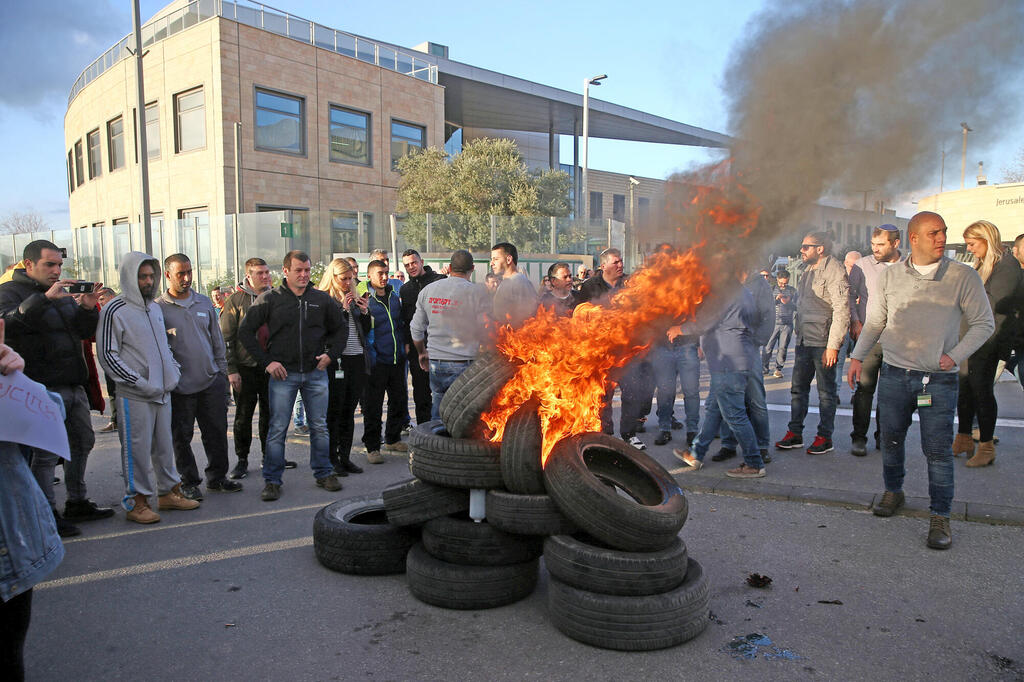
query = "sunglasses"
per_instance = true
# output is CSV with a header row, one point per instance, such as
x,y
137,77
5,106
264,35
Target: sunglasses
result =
x,y
804,247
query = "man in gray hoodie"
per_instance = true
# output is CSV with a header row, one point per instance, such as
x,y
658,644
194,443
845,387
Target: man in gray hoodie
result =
x,y
193,333
132,349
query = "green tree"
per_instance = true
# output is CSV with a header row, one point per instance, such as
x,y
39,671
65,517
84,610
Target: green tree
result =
x,y
1015,173
487,178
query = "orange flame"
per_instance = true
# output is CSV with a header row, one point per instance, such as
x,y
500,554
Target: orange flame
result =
x,y
565,363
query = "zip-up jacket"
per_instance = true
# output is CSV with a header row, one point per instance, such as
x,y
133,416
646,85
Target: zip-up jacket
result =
x,y
410,292
387,338
235,308
299,328
823,305
132,340
48,334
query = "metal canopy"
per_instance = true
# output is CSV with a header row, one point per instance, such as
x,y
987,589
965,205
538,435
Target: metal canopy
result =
x,y
479,98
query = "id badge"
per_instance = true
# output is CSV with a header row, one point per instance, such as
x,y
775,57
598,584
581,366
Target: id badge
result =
x,y
924,400
340,374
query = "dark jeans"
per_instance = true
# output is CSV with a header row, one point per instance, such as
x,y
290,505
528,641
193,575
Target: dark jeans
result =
x,y
780,338
671,361
421,395
390,380
342,399
78,424
977,397
15,615
865,394
208,407
636,385
756,402
807,366
897,399
726,405
253,392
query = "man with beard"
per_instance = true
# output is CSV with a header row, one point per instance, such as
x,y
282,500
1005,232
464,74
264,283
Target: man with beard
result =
x,y
420,275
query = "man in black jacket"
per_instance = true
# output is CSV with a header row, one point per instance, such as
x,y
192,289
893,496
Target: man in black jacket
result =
x,y
46,325
302,323
420,275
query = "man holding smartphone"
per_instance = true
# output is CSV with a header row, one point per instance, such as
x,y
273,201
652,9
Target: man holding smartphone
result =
x,y
46,325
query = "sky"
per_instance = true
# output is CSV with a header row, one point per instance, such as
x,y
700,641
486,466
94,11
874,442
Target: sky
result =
x,y
667,58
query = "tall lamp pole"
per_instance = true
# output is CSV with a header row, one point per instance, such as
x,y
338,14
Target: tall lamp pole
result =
x,y
963,154
587,82
147,227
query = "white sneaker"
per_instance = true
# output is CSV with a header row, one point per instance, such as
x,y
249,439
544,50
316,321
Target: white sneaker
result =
x,y
635,441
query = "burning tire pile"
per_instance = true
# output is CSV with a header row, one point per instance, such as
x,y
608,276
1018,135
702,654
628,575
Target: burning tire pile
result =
x,y
606,518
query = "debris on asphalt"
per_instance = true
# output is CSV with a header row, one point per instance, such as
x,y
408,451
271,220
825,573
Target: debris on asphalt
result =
x,y
830,601
753,604
758,580
747,648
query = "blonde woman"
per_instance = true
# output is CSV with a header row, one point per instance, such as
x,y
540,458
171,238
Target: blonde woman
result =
x,y
346,377
1001,273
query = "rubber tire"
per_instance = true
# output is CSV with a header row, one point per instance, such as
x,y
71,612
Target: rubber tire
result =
x,y
584,475
354,537
624,623
454,586
580,563
527,514
471,394
460,540
413,502
453,462
521,449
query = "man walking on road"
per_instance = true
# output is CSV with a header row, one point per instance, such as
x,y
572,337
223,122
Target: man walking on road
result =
x,y
193,334
915,312
822,321
301,321
785,307
420,276
885,252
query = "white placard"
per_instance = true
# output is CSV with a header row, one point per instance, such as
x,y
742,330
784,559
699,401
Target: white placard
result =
x,y
29,416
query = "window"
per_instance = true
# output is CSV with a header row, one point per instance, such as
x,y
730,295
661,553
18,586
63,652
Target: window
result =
x,y
71,172
619,207
95,167
152,132
79,165
115,144
190,112
350,136
596,205
406,138
280,123
347,235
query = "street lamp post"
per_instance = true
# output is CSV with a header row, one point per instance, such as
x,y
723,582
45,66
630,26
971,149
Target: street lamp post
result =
x,y
584,190
963,154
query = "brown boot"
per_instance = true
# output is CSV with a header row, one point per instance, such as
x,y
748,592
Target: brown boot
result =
x,y
175,500
986,455
963,444
141,512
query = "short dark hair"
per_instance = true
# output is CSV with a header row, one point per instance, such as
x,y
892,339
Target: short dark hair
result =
x,y
383,252
490,275
295,254
179,258
823,240
509,250
376,264
34,250
254,263
412,252
782,273
558,266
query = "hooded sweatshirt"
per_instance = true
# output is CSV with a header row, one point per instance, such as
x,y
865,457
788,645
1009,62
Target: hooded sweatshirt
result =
x,y
132,340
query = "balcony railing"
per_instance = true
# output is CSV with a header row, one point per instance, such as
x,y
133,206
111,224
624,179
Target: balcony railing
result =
x,y
267,18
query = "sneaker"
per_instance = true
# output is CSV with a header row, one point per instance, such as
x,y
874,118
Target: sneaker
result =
x,y
65,528
676,424
302,430
777,374
374,457
939,535
289,464
397,446
635,441
663,437
723,454
224,486
349,467
859,447
688,459
85,510
765,457
745,472
176,500
241,470
271,492
820,446
107,428
329,483
889,503
790,441
406,430
191,492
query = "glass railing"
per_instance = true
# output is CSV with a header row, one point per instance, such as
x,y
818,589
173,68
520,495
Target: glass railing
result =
x,y
267,18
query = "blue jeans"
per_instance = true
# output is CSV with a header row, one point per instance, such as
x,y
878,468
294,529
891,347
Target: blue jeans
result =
x,y
781,336
314,390
442,374
726,403
756,401
807,365
897,399
668,362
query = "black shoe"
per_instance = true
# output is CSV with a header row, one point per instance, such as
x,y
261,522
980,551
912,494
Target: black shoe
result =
x,y
289,464
663,437
337,470
241,469
820,446
789,441
85,510
676,424
889,503
271,492
723,454
859,447
765,457
350,467
939,534
191,492
65,529
224,486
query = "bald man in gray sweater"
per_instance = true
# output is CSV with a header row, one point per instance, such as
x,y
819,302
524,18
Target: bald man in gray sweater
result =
x,y
915,315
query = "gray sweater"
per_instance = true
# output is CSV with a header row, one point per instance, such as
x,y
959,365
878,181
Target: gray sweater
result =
x,y
193,333
917,318
449,315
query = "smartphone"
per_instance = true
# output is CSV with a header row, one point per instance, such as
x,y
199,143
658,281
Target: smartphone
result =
x,y
81,287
